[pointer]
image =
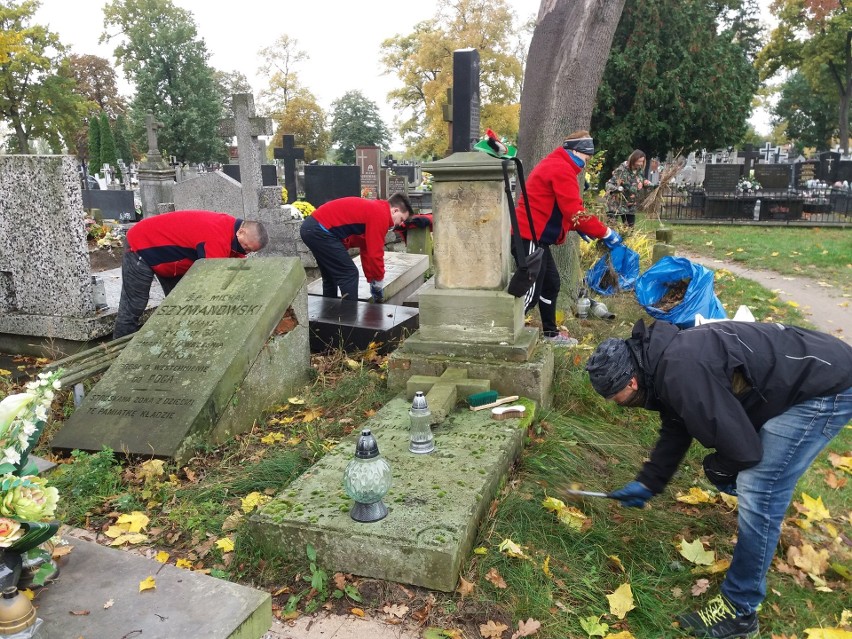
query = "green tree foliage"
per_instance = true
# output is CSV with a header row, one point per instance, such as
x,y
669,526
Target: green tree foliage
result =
x,y
94,154
159,49
809,112
423,61
227,84
355,121
121,133
37,96
815,38
306,120
108,155
679,76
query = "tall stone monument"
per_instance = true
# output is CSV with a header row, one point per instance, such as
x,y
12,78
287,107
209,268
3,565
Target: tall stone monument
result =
x,y
465,100
156,178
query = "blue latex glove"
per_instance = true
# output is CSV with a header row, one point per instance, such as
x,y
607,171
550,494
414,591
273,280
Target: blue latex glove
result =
x,y
633,494
584,236
611,239
377,292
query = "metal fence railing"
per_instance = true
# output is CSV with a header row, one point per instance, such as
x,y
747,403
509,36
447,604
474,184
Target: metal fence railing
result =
x,y
824,206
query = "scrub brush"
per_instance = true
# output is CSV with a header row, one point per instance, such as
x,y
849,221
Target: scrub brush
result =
x,y
480,399
508,412
499,402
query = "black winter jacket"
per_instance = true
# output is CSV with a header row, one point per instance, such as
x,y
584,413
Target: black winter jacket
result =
x,y
720,382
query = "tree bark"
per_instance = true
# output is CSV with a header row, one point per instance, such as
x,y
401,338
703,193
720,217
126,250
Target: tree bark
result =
x,y
568,53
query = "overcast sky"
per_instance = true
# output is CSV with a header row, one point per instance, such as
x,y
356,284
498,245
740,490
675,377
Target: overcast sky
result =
x,y
341,37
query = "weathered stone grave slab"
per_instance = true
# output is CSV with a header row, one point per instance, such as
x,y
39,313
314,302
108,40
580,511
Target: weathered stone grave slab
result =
x,y
184,603
404,273
229,341
352,326
436,501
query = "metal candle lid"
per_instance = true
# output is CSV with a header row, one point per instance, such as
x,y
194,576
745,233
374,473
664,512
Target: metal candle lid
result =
x,y
367,447
419,401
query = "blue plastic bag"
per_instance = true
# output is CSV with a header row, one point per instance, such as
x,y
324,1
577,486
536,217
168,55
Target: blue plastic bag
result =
x,y
700,296
625,262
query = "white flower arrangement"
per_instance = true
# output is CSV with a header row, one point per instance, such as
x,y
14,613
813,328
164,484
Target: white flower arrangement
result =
x,y
748,183
22,415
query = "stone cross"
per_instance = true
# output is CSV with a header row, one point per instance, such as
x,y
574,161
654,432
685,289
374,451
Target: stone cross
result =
x,y
749,154
443,392
289,152
768,152
247,128
151,128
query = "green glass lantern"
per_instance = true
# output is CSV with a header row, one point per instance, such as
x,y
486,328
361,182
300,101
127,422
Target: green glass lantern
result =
x,y
367,479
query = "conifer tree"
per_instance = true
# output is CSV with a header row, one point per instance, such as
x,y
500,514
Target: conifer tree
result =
x,y
94,145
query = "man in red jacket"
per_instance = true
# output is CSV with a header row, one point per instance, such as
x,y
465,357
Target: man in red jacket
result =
x,y
556,204
351,222
167,245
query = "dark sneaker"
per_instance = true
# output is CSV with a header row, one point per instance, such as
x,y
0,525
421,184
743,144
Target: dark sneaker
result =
x,y
719,620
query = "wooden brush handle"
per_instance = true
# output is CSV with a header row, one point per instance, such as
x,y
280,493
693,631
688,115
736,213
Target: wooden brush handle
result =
x,y
499,402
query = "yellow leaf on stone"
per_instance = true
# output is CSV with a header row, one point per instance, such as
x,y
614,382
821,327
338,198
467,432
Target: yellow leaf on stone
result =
x,y
225,544
134,522
816,509
695,495
147,584
695,553
162,556
512,549
827,633
253,500
621,601
792,303
184,563
357,612
114,532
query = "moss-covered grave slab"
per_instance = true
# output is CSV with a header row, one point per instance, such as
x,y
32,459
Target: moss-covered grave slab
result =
x,y
435,504
228,342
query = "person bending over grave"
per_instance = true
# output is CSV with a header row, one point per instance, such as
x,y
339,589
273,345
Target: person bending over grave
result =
x,y
767,397
353,222
167,245
556,204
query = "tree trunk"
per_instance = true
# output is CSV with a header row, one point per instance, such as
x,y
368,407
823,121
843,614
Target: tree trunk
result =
x,y
844,97
568,53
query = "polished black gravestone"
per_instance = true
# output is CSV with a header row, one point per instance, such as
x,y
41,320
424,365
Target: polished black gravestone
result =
x,y
465,99
268,175
289,152
324,183
352,326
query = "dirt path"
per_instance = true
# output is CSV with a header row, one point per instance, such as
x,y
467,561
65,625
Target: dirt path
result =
x,y
826,307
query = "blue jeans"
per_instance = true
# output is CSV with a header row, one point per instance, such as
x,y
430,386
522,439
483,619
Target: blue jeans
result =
x,y
791,441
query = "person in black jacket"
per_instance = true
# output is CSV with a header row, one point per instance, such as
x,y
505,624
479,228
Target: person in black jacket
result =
x,y
767,397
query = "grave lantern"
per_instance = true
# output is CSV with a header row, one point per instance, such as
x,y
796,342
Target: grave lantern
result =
x,y
421,438
367,479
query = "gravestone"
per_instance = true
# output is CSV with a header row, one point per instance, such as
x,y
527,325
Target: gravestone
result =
x,y
113,205
773,177
465,101
397,184
829,162
289,152
805,171
750,158
212,191
45,276
228,342
324,183
367,159
156,178
247,128
354,326
844,171
769,153
268,174
721,178
404,273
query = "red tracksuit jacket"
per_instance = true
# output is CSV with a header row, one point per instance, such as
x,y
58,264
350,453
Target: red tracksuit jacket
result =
x,y
171,242
556,202
360,223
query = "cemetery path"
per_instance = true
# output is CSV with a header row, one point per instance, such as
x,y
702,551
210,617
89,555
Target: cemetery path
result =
x,y
826,307
330,626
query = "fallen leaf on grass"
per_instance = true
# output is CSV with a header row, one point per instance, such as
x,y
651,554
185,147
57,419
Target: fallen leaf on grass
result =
x,y
624,634
568,515
696,495
808,559
465,587
512,549
694,552
134,522
492,630
828,633
730,500
396,610
297,401
442,633
225,544
494,577
616,562
621,601
526,628
232,522
147,584
253,500
480,551
593,626
841,462
700,587
833,481
813,509
677,592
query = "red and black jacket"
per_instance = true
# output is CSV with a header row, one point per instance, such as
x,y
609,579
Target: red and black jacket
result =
x,y
359,223
556,202
171,242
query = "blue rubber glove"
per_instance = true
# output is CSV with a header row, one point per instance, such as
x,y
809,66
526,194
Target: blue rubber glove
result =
x,y
611,239
633,494
377,292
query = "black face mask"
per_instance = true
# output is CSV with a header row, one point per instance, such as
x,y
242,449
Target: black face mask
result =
x,y
636,400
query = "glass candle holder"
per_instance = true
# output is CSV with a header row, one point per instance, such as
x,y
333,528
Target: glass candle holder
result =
x,y
367,479
421,438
